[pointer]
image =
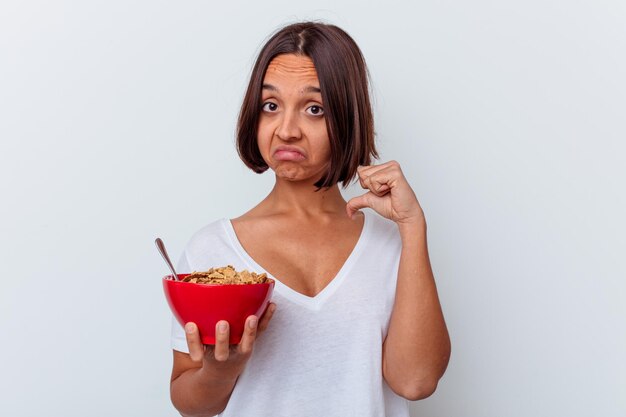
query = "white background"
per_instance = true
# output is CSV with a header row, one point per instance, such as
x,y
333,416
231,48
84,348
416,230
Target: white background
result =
x,y
117,126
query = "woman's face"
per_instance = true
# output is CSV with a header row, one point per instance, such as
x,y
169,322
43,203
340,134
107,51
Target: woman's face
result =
x,y
292,135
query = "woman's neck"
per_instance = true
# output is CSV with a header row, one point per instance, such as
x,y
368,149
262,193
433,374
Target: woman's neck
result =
x,y
299,200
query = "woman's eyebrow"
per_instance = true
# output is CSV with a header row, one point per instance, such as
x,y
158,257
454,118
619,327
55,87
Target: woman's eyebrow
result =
x,y
311,89
307,89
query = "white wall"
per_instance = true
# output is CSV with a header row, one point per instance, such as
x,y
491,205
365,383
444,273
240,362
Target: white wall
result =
x,y
116,126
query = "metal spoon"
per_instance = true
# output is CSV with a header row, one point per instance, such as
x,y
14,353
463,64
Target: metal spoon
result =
x,y
161,247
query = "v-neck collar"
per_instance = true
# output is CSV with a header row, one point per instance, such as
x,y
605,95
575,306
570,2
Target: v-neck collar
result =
x,y
313,303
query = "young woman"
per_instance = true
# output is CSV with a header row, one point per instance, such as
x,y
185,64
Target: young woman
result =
x,y
355,327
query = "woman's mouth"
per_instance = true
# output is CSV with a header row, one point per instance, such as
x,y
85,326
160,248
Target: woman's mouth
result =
x,y
286,154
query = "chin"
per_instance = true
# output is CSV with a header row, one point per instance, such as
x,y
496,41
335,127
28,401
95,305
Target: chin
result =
x,y
288,173
295,172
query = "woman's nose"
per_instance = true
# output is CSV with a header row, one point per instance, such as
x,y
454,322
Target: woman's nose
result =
x,y
289,127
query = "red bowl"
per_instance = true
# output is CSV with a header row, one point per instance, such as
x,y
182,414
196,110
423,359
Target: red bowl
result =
x,y
206,304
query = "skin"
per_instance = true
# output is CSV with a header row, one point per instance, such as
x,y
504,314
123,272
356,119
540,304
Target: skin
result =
x,y
417,348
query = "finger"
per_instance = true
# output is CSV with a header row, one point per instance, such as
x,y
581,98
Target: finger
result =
x,y
361,176
382,181
363,173
367,170
196,348
267,316
249,335
222,333
357,203
379,185
370,178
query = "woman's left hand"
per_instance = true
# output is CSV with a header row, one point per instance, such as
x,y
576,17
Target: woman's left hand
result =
x,y
390,195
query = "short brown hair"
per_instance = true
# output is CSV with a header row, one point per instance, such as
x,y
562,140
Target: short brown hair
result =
x,y
343,78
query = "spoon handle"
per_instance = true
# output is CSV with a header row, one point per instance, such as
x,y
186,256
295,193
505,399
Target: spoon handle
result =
x,y
161,247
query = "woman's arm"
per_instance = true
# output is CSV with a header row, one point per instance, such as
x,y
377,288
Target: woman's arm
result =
x,y
417,347
196,391
203,380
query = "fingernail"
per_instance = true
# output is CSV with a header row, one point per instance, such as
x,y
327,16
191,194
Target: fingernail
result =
x,y
222,327
189,328
252,323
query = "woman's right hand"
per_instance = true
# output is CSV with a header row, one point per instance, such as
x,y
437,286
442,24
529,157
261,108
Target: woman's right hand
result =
x,y
223,358
203,380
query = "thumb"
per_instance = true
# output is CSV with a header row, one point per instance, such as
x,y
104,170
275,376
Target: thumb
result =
x,y
357,203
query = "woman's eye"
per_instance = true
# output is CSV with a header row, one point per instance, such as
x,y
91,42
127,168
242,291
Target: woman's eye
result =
x,y
315,110
269,106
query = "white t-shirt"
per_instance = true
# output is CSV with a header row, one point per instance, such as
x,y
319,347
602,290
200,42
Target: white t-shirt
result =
x,y
320,356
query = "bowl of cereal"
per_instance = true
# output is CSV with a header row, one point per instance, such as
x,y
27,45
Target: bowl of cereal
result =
x,y
218,294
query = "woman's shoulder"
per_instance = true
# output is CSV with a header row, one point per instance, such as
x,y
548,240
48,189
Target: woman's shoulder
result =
x,y
380,226
210,246
208,235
